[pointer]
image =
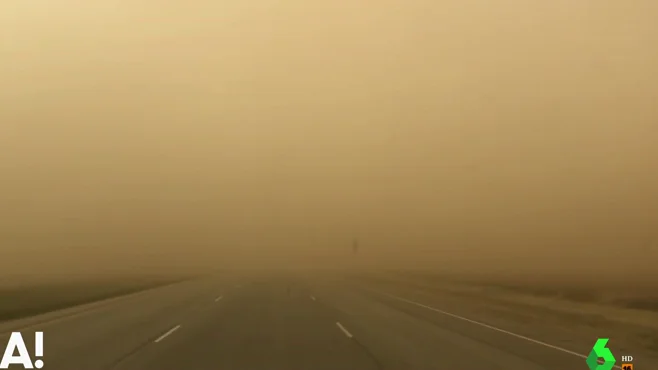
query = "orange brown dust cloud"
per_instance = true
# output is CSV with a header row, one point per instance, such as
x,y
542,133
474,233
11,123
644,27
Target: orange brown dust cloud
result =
x,y
453,135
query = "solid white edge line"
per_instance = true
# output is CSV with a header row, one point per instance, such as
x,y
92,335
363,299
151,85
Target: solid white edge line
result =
x,y
342,328
163,336
519,336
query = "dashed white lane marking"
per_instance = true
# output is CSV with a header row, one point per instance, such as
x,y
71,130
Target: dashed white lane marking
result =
x,y
313,298
163,336
218,298
342,328
519,336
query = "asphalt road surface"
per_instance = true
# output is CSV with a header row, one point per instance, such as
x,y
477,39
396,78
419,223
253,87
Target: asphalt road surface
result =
x,y
287,323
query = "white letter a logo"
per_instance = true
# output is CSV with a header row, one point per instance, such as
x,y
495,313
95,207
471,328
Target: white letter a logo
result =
x,y
23,358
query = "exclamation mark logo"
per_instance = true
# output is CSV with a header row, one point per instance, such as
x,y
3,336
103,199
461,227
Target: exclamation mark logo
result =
x,y
38,349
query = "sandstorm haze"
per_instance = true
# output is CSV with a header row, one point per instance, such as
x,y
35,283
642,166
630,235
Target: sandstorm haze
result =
x,y
149,135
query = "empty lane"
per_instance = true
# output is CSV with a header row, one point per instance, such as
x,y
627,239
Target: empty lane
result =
x,y
295,323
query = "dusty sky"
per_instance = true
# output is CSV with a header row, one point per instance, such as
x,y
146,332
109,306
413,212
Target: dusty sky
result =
x,y
149,134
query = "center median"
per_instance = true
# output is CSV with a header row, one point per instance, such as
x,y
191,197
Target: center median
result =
x,y
42,302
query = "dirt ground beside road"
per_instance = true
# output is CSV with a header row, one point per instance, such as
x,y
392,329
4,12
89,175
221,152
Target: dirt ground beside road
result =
x,y
572,311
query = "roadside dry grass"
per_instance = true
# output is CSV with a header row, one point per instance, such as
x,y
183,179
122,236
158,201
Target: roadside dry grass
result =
x,y
20,301
625,310
635,294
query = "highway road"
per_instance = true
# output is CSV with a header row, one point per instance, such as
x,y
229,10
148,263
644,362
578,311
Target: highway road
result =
x,y
293,323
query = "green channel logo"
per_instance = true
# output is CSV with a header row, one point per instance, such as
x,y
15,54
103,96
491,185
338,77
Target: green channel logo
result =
x,y
601,351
